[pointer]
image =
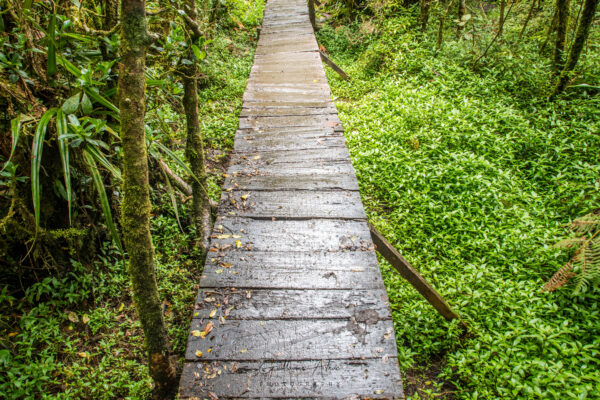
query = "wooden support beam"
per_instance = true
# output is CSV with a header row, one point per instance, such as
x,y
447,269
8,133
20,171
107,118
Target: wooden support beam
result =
x,y
337,69
311,14
413,277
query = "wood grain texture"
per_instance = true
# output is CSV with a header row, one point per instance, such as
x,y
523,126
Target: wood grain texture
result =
x,y
330,379
291,301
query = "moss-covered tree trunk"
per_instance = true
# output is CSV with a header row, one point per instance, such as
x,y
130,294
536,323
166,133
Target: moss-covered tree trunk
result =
x,y
583,30
194,148
562,12
136,197
424,14
501,17
462,10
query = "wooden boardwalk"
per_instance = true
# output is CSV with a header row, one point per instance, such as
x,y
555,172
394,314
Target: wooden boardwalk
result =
x,y
291,303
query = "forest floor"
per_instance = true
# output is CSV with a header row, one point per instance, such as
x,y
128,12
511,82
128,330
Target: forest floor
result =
x,y
74,333
473,174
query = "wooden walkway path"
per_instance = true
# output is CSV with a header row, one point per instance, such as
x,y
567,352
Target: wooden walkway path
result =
x,y
291,303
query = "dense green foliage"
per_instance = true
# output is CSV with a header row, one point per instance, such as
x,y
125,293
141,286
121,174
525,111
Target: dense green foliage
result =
x,y
473,174
74,332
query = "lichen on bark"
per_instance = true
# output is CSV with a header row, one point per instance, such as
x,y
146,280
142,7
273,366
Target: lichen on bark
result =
x,y
136,205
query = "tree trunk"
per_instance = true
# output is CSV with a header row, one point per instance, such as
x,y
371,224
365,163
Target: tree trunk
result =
x,y
562,10
136,206
462,10
424,14
528,18
111,17
501,17
583,30
194,147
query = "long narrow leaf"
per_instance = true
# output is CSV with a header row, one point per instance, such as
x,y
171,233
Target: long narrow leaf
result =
x,y
91,163
98,97
99,157
36,161
15,131
177,160
63,146
173,199
51,35
69,66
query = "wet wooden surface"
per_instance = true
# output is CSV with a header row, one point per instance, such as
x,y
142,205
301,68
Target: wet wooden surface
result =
x,y
291,301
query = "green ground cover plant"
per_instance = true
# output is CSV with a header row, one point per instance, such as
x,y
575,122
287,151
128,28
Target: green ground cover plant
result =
x,y
74,334
473,175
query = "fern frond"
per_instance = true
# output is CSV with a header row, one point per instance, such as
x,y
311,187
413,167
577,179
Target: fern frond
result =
x,y
584,265
560,278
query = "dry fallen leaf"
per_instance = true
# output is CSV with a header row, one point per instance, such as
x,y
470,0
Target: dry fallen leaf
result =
x,y
85,318
219,271
208,328
212,313
223,236
73,317
198,353
196,333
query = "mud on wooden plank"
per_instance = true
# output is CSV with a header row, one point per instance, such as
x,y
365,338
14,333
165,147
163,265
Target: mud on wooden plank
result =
x,y
331,379
293,204
361,336
291,304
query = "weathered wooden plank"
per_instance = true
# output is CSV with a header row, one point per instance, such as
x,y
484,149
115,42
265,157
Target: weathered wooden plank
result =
x,y
282,157
361,336
301,141
290,235
291,304
331,379
249,110
297,181
317,121
291,270
412,275
297,204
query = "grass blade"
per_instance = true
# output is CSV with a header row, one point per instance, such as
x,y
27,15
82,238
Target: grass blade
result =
x,y
36,162
99,157
98,97
173,199
63,146
91,163
51,35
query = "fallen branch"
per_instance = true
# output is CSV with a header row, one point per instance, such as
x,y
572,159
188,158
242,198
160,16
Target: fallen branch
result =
x,y
337,69
411,275
178,182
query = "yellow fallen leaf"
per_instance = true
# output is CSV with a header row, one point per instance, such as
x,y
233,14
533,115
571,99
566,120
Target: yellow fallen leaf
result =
x,y
236,236
315,81
243,350
121,307
238,244
196,314
13,334
83,354
198,353
72,317
257,157
223,236
245,196
85,318
212,313
219,271
209,350
196,333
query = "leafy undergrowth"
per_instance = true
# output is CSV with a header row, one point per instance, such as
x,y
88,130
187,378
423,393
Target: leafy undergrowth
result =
x,y
75,335
473,175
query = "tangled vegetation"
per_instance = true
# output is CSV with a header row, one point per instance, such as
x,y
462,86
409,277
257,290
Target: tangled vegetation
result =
x,y
68,327
473,174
